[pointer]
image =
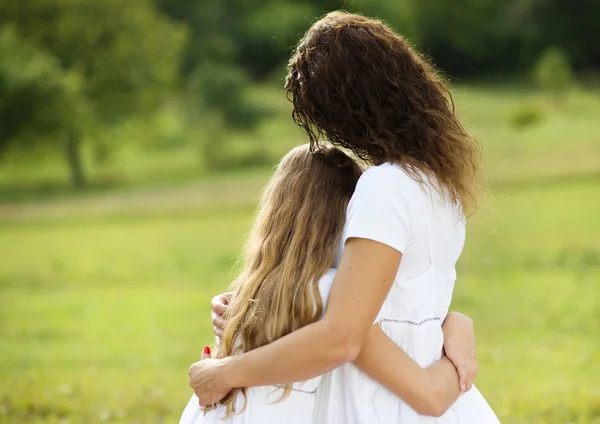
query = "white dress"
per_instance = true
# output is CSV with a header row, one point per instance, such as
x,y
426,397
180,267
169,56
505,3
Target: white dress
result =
x,y
390,207
262,406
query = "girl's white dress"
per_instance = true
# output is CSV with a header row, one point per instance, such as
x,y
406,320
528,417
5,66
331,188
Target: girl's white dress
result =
x,y
390,207
262,406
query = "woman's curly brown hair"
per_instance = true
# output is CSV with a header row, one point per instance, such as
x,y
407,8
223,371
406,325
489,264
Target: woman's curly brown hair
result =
x,y
356,83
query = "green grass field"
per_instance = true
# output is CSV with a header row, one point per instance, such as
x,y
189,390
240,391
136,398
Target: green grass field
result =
x,y
104,299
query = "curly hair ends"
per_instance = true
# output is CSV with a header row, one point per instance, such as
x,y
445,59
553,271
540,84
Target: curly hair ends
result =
x,y
356,83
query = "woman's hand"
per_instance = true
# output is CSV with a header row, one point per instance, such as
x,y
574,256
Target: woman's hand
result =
x,y
205,380
219,305
460,348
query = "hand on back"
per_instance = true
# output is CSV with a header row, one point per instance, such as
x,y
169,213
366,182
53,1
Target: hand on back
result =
x,y
460,347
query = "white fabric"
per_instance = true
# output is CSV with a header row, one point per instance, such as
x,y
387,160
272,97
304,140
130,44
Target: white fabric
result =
x,y
390,207
262,406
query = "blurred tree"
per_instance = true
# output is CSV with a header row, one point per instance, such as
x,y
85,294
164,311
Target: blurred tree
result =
x,y
526,115
72,67
552,73
268,35
212,75
471,37
39,100
465,37
88,64
569,25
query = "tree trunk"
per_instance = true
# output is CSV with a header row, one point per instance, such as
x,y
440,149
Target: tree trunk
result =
x,y
73,151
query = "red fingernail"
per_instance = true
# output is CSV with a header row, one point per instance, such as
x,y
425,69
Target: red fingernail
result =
x,y
207,350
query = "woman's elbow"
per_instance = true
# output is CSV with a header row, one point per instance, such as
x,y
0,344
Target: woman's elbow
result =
x,y
351,350
343,343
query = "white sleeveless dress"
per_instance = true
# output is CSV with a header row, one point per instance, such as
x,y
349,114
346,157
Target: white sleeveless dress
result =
x,y
390,207
262,406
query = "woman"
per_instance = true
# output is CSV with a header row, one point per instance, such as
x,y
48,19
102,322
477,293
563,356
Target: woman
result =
x,y
356,83
285,282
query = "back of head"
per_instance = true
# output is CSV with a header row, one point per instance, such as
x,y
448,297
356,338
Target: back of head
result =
x,y
293,243
356,83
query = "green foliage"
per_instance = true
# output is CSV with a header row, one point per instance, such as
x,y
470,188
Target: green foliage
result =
x,y
218,150
125,49
557,23
462,38
465,38
70,67
270,32
526,116
39,99
553,73
219,88
168,147
73,71
212,77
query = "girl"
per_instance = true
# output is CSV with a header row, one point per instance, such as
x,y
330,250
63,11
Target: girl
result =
x,y
355,82
284,286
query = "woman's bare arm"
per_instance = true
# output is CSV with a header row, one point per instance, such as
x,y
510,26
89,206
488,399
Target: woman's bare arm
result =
x,y
365,274
364,277
428,391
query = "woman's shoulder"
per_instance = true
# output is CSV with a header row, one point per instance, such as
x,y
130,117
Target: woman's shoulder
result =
x,y
389,178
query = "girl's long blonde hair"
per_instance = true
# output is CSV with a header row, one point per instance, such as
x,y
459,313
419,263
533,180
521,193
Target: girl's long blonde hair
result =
x,y
293,243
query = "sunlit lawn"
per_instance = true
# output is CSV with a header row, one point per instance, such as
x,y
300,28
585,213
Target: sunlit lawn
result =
x,y
100,317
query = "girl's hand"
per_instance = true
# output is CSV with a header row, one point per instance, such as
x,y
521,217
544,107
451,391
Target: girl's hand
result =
x,y
460,348
219,305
